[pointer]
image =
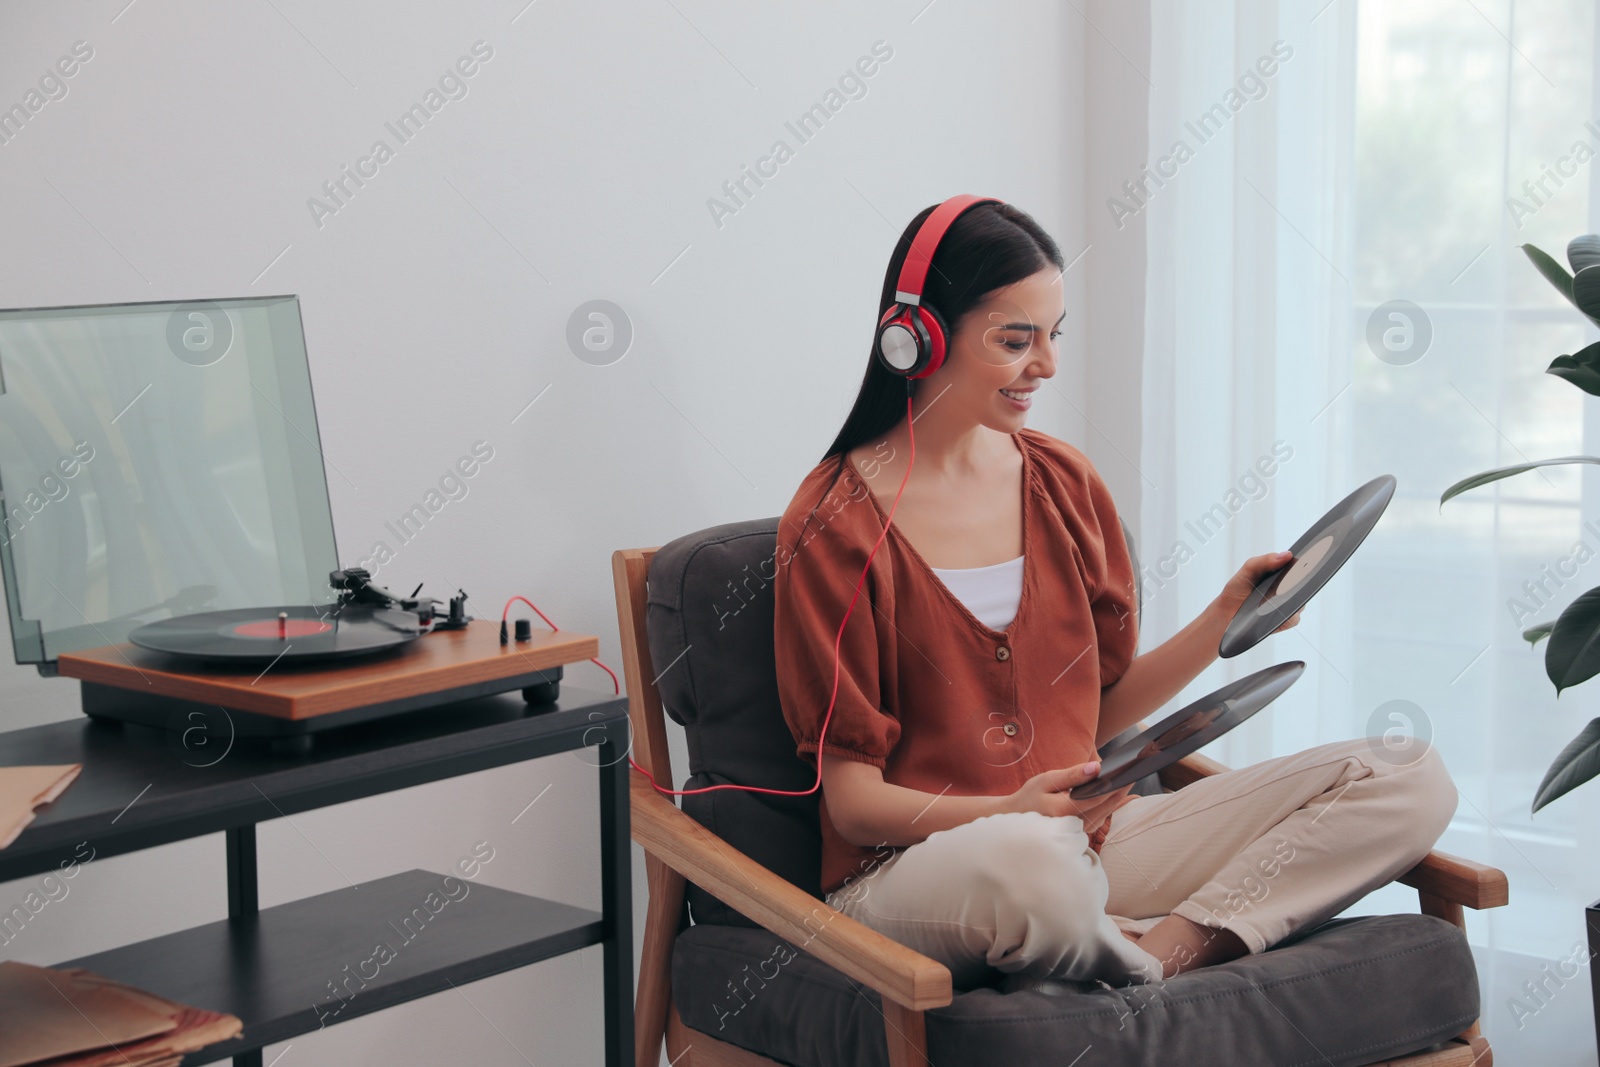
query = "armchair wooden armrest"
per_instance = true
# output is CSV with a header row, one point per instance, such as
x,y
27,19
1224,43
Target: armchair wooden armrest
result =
x,y
898,973
1458,881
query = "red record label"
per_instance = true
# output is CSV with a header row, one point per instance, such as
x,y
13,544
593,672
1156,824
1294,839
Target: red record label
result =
x,y
291,628
309,633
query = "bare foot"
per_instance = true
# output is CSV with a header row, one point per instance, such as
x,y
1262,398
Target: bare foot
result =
x,y
1182,945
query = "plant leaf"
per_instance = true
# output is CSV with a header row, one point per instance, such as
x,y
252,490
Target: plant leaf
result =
x,y
1538,631
1553,272
1583,251
1586,290
1557,276
1573,654
1505,472
1581,368
1577,763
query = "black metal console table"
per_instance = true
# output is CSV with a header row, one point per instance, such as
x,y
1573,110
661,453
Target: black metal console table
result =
x,y
276,968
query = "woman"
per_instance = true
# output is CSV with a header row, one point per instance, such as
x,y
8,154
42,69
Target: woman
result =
x,y
991,652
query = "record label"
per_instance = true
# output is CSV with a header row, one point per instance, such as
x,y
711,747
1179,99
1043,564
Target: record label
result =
x,y
1301,568
283,628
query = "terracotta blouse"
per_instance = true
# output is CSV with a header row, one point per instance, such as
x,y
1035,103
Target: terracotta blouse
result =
x,y
928,693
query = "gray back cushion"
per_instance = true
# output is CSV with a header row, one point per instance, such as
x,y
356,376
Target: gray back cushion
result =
x,y
709,620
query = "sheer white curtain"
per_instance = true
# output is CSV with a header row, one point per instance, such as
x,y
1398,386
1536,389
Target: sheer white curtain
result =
x,y
1312,164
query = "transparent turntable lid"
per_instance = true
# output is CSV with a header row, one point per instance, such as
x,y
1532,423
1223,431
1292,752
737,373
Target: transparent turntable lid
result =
x,y
156,459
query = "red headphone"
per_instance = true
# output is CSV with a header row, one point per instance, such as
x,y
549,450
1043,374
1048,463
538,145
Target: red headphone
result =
x,y
910,342
911,334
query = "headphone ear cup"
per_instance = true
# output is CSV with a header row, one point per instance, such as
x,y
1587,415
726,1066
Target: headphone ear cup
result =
x,y
901,342
934,338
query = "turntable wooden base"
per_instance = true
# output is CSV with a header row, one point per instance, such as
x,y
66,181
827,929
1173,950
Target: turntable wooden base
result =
x,y
136,685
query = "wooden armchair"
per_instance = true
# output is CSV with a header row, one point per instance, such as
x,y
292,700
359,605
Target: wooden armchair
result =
x,y
680,850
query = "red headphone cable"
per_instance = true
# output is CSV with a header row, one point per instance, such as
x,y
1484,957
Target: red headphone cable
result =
x,y
507,611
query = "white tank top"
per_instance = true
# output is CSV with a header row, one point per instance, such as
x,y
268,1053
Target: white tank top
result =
x,y
991,593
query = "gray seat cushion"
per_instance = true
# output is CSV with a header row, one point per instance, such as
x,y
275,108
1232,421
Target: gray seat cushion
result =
x,y
1351,991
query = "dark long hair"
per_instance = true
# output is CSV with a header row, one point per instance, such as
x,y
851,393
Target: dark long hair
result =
x,y
988,247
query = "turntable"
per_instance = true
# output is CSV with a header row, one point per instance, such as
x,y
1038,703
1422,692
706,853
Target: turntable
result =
x,y
165,530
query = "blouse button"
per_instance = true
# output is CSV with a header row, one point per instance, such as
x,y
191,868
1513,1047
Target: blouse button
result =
x,y
1002,653
1010,729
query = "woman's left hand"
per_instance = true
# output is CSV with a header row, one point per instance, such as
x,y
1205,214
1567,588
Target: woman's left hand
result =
x,y
1242,584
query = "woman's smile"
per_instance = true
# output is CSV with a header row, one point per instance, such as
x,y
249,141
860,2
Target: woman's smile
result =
x,y
1021,399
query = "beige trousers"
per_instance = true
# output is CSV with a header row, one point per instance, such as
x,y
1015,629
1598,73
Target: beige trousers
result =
x,y
1262,851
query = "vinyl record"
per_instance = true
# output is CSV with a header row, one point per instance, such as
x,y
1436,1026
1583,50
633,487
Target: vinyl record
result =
x,y
1188,729
255,635
1318,555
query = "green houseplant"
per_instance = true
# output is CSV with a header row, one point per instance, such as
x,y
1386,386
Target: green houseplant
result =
x,y
1573,653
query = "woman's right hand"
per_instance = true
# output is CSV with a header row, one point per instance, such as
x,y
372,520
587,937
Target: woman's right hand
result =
x,y
1046,793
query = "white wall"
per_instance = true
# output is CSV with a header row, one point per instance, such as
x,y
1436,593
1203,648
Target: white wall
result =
x,y
577,166
1116,83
